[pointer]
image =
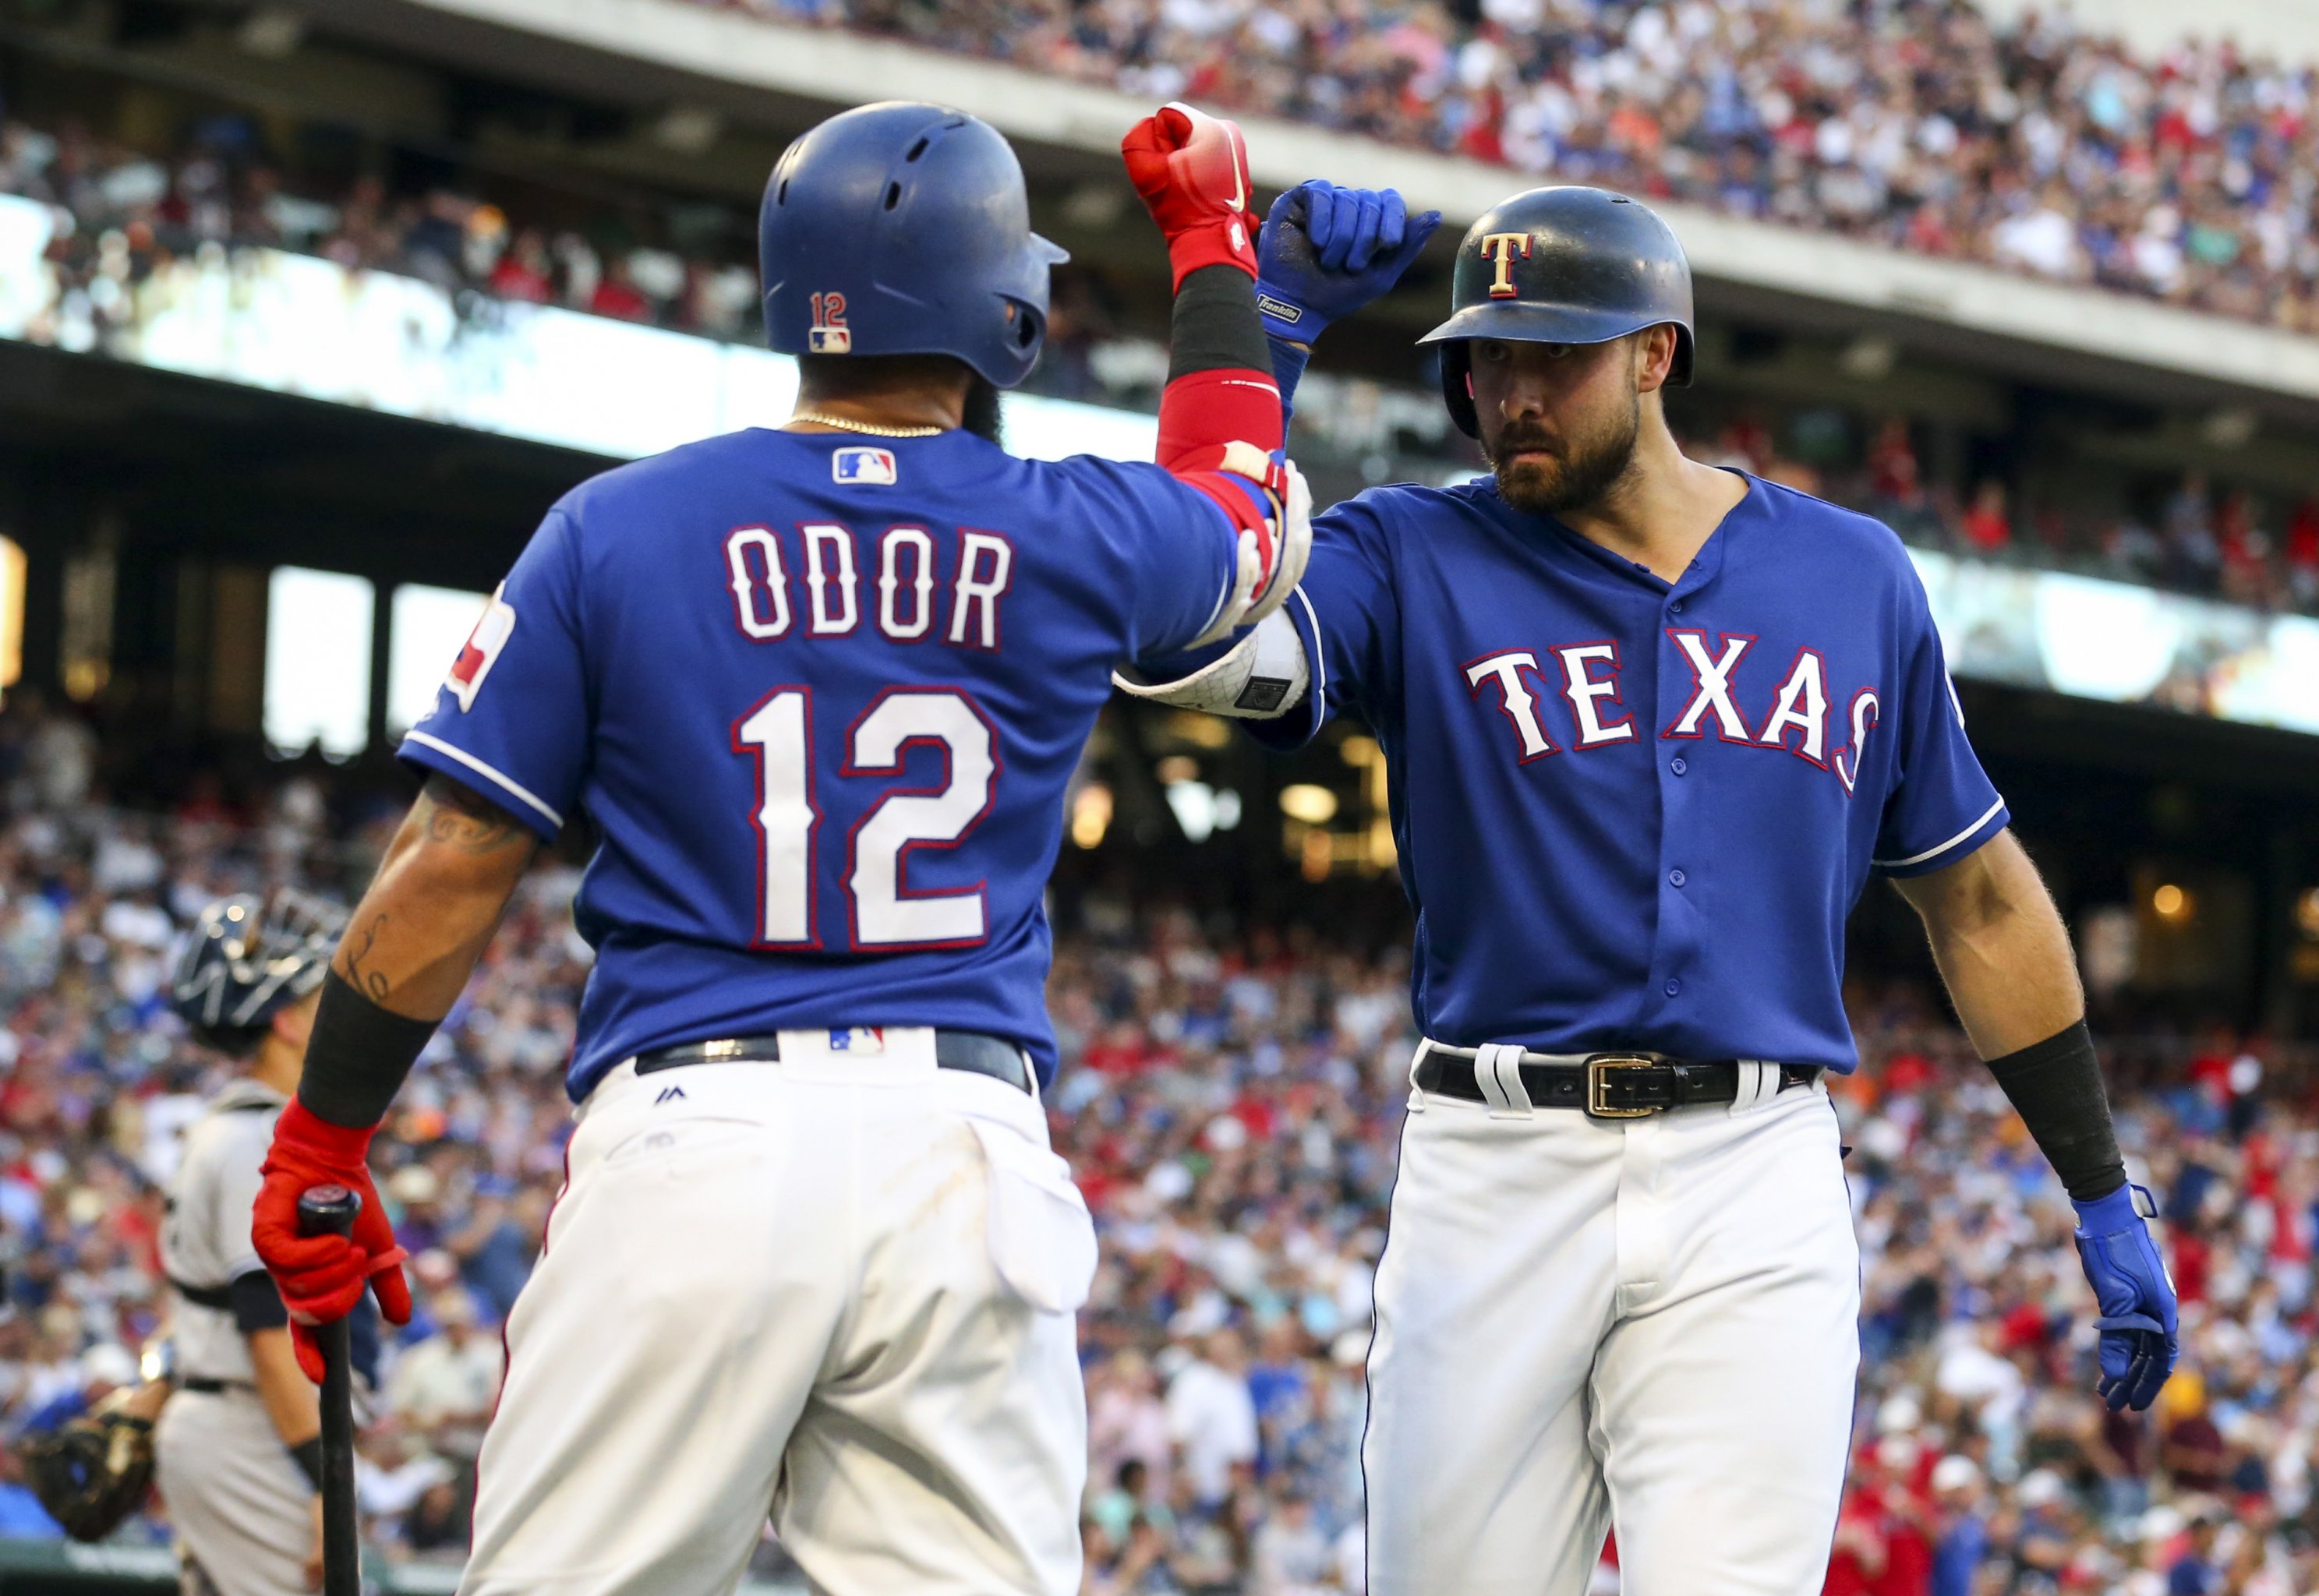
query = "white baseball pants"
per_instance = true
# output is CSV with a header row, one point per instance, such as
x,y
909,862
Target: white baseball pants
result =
x,y
1646,1324
243,1513
805,1288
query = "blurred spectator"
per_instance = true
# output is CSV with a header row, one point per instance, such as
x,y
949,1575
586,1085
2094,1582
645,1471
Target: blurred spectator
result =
x,y
1988,530
1211,1416
444,1387
22,1516
1960,1530
2194,557
2302,553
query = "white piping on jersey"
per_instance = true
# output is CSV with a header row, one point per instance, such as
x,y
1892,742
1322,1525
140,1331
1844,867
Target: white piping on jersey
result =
x,y
481,768
1890,865
1319,661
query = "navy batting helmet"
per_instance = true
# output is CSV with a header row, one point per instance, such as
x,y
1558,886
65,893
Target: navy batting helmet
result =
x,y
248,958
1562,265
904,229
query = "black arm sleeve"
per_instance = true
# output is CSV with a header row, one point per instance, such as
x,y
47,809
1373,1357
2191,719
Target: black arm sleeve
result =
x,y
257,1303
1216,326
2056,1087
308,1456
357,1056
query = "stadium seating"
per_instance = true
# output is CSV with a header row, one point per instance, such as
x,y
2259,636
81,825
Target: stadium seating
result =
x,y
131,213
2046,147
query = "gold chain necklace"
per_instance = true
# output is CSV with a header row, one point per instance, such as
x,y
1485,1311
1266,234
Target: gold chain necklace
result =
x,y
843,424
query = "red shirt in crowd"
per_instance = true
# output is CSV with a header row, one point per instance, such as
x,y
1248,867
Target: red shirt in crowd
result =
x,y
616,299
2303,537
1986,528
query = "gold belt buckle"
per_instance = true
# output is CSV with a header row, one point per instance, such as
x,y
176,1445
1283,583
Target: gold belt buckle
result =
x,y
1598,1070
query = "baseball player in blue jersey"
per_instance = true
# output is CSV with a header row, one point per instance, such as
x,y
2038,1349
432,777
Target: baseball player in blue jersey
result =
x,y
1652,727
821,688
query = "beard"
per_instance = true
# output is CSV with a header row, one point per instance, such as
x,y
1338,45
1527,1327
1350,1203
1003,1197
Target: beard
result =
x,y
1576,474
983,416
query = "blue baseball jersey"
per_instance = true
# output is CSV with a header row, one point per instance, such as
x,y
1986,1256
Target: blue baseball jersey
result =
x,y
822,699
1631,812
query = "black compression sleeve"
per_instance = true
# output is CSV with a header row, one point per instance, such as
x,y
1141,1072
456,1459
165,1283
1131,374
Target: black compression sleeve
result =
x,y
1216,326
357,1057
308,1456
2056,1087
257,1303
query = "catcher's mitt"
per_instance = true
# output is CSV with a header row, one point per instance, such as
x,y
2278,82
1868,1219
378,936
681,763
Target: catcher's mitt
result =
x,y
92,1473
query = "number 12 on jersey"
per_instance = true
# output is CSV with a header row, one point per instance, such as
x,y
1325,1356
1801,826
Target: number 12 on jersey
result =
x,y
778,736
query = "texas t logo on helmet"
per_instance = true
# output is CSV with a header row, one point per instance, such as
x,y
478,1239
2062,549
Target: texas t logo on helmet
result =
x,y
1502,250
1597,265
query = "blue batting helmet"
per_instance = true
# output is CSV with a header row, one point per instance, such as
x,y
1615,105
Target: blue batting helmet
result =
x,y
904,229
1562,265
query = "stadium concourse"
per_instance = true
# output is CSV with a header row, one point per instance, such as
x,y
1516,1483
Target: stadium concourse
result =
x,y
129,211
1230,1101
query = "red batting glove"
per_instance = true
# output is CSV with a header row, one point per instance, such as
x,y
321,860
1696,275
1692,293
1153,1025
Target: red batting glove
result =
x,y
1192,170
321,1277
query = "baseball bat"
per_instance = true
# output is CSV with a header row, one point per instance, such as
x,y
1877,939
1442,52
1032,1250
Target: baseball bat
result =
x,y
329,1210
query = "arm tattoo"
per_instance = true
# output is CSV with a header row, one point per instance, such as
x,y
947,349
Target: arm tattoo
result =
x,y
457,817
449,816
355,947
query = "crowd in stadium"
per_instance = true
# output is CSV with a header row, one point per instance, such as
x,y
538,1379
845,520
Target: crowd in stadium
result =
x,y
123,213
127,213
2046,147
1230,1102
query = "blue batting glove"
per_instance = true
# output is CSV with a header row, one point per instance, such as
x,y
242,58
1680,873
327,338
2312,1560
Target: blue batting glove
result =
x,y
2137,1324
1326,251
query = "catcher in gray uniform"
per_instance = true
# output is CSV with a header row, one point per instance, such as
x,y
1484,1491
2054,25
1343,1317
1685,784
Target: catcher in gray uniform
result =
x,y
238,1447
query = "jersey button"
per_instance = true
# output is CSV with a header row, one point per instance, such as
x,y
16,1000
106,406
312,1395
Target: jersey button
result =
x,y
1679,765
1673,986
1675,607
1677,877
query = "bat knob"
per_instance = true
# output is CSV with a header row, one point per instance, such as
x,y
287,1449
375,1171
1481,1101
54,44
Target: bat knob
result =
x,y
327,1211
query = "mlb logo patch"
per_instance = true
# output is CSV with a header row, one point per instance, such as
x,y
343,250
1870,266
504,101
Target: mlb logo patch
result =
x,y
864,466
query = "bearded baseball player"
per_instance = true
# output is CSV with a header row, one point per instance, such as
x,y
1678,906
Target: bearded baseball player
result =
x,y
1651,726
822,689
238,1447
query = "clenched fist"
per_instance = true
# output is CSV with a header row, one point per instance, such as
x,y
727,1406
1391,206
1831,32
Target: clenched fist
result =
x,y
1192,170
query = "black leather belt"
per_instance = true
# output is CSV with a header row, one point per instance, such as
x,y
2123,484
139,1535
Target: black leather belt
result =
x,y
216,1297
1608,1086
209,1387
969,1051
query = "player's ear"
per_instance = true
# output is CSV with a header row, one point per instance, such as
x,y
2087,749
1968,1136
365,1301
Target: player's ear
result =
x,y
1655,348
